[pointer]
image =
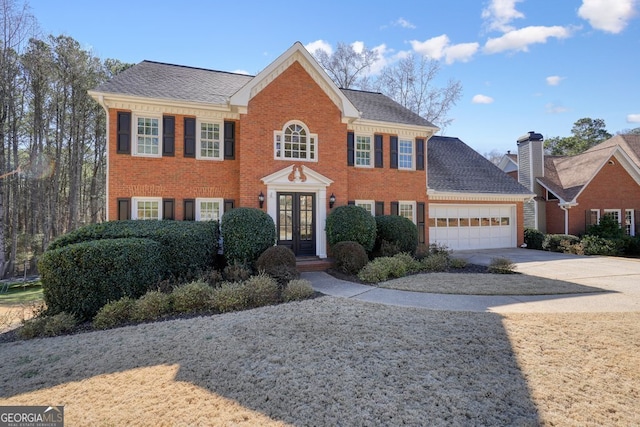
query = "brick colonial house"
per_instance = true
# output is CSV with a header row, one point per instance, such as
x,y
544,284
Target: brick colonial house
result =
x,y
189,144
574,192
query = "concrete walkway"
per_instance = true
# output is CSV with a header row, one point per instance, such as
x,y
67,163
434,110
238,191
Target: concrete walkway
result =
x,y
620,277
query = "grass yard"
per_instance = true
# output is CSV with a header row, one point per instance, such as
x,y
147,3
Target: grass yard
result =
x,y
332,361
20,293
19,303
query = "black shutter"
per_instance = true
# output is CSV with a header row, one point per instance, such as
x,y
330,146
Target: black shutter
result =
x,y
395,208
167,209
228,205
378,151
229,140
168,135
420,154
123,145
393,160
350,149
421,221
124,209
379,208
351,202
189,210
189,137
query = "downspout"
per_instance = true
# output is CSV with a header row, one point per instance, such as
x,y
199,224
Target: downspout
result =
x,y
566,217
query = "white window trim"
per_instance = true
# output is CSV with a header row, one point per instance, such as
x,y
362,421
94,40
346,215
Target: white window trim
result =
x,y
215,200
597,211
618,211
134,205
134,134
310,136
371,151
632,230
199,155
413,153
371,203
414,210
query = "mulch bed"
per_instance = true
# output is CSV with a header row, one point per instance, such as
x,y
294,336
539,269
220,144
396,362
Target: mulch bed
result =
x,y
469,268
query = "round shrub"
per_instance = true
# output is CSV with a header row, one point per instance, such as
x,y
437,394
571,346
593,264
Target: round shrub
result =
x,y
594,245
398,231
553,242
114,313
230,297
351,223
262,290
82,277
436,262
349,257
246,233
533,238
297,290
278,262
151,306
47,326
501,266
192,298
383,268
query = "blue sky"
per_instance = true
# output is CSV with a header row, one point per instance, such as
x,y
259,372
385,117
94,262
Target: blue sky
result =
x,y
523,64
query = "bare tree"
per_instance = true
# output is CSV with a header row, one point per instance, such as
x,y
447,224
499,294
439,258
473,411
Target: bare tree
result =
x,y
346,66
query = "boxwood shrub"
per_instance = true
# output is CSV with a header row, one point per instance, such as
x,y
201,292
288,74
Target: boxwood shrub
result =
x,y
80,278
533,238
351,223
552,242
349,257
187,246
246,233
398,231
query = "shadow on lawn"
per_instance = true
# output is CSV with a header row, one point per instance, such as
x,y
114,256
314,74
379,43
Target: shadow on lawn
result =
x,y
326,361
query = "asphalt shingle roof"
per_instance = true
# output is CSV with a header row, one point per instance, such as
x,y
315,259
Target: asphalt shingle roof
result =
x,y
453,166
376,106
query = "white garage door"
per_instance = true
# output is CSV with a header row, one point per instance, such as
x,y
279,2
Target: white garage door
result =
x,y
473,226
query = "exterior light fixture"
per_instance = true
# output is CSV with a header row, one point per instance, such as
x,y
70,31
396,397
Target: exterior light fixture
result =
x,y
261,199
332,200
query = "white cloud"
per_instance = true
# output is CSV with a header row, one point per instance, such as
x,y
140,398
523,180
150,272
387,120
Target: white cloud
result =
x,y
633,118
401,22
319,44
519,40
500,13
482,99
554,80
382,61
607,15
552,108
440,47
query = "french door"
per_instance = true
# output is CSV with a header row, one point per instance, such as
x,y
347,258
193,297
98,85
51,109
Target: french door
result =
x,y
296,222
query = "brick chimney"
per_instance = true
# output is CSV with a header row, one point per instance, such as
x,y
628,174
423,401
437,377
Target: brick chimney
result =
x,y
530,167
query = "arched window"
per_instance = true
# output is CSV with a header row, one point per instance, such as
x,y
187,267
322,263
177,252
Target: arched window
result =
x,y
295,141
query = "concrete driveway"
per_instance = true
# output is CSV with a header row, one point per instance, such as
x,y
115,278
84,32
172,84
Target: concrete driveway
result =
x,y
619,277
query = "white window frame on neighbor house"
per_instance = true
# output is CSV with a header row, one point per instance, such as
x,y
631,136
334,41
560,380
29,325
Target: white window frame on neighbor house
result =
x,y
616,213
280,142
367,205
597,212
157,144
406,160
363,156
202,139
203,215
629,222
135,208
405,206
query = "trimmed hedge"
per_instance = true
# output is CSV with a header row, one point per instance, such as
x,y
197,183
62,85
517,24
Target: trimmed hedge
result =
x,y
246,233
80,278
533,238
187,246
351,224
552,242
350,257
398,231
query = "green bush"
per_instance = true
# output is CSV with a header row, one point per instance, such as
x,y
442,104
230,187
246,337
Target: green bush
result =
x,y
278,262
114,313
230,297
396,230
151,306
631,245
80,278
192,297
349,257
501,266
383,268
594,245
552,242
47,326
297,290
533,238
572,248
351,223
412,264
436,262
607,228
188,247
262,290
246,233
457,263
283,274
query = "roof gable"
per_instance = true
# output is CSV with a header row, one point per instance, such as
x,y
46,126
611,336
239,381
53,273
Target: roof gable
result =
x,y
296,53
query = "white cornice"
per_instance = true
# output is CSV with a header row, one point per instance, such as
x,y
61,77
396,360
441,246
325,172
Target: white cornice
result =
x,y
478,197
372,126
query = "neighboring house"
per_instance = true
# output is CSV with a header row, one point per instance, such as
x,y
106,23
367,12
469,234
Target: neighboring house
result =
x,y
509,164
189,144
574,192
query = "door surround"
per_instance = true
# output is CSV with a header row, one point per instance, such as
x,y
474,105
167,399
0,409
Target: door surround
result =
x,y
298,178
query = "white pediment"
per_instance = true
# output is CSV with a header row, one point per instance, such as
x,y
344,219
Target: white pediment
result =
x,y
298,175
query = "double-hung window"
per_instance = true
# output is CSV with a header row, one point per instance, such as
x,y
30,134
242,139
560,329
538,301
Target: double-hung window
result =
x,y
295,141
209,209
363,150
147,208
629,222
210,140
148,134
407,210
613,213
367,205
406,155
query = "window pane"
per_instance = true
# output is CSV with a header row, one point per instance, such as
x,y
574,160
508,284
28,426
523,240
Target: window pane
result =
x,y
405,154
148,132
